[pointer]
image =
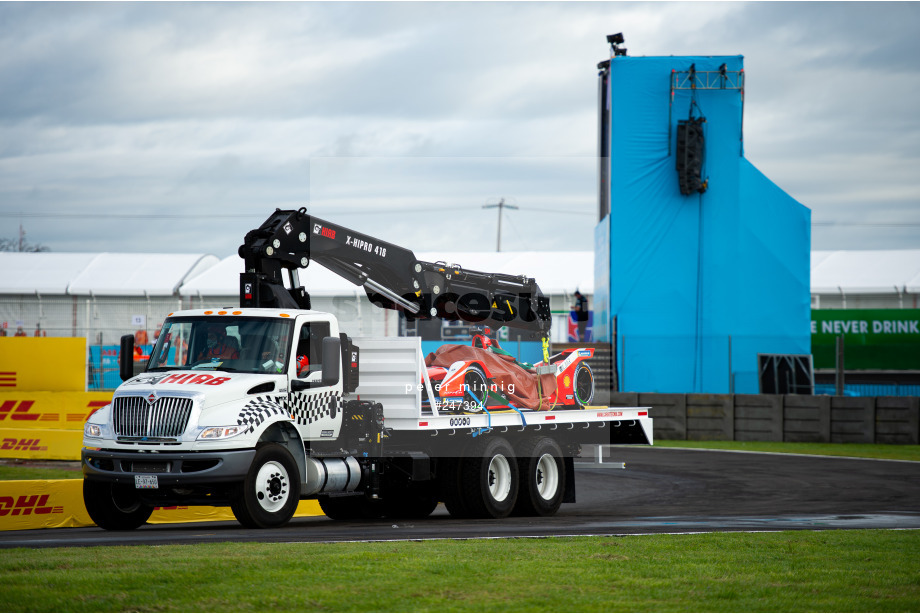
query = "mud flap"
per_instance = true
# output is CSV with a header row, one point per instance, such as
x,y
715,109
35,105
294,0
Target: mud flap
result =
x,y
569,495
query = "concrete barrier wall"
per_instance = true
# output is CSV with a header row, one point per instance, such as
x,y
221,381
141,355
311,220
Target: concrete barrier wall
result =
x,y
807,418
897,419
763,417
755,417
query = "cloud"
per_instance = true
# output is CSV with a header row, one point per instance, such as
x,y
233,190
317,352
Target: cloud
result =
x,y
220,112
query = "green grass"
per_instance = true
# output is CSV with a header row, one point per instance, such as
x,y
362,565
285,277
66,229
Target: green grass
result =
x,y
17,471
862,450
838,571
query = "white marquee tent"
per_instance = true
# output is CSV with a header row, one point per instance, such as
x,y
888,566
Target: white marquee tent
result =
x,y
85,294
97,296
867,279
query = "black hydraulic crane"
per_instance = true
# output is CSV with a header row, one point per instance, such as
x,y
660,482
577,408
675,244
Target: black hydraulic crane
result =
x,y
392,277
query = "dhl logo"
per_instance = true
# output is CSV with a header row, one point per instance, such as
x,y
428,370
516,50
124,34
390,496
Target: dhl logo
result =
x,y
19,413
19,410
22,445
26,505
7,379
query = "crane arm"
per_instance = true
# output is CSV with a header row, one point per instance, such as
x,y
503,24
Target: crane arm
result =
x,y
392,277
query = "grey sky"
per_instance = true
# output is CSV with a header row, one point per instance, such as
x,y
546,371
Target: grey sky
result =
x,y
178,127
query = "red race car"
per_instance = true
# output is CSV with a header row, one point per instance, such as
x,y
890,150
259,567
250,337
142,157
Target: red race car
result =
x,y
484,377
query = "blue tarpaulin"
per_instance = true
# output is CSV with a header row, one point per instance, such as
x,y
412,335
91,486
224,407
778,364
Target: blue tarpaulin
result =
x,y
103,364
698,284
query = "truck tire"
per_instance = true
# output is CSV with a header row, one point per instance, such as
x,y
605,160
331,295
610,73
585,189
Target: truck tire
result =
x,y
270,493
542,478
356,507
451,493
114,507
583,384
413,501
489,479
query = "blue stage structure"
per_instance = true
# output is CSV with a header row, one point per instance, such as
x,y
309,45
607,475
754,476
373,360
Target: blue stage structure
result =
x,y
692,287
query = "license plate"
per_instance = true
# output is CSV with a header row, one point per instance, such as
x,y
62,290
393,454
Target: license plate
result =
x,y
146,481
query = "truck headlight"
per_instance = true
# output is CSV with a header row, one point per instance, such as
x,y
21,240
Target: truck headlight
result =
x,y
220,432
92,430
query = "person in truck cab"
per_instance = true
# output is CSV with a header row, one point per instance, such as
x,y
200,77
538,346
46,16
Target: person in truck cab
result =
x,y
303,365
219,346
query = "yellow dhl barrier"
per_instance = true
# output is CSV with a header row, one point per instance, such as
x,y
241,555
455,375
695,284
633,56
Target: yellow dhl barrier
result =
x,y
43,363
41,444
46,504
49,410
45,425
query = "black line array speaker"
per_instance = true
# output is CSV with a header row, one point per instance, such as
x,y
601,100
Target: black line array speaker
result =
x,y
690,149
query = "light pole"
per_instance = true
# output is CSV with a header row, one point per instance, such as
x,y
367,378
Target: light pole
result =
x,y
500,205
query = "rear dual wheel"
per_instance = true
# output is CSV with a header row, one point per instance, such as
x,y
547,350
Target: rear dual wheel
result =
x,y
410,500
352,507
482,484
542,478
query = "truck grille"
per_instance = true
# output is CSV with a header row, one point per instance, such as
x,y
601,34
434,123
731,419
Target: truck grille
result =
x,y
167,417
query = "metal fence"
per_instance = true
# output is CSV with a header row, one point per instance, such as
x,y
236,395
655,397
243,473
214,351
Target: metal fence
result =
x,y
884,389
103,320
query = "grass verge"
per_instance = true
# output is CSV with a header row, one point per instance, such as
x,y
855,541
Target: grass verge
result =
x,y
836,571
45,470
861,450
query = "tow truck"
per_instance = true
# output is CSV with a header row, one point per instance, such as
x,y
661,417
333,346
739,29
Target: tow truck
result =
x,y
260,406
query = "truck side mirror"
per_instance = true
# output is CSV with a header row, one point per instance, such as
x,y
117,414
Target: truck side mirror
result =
x,y
126,358
332,360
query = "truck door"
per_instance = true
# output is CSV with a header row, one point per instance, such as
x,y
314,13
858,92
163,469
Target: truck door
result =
x,y
317,409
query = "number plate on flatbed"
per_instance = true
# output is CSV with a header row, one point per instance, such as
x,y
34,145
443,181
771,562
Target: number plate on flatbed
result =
x,y
146,481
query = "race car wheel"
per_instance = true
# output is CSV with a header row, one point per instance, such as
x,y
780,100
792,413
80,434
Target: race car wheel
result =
x,y
583,384
475,390
271,491
542,478
488,479
114,507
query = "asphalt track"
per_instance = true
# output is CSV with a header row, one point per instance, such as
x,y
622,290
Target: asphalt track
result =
x,y
661,490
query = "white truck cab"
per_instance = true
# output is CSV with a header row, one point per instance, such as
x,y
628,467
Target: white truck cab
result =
x,y
220,383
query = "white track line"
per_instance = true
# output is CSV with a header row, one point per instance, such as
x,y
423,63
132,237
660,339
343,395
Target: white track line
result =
x,y
864,458
497,537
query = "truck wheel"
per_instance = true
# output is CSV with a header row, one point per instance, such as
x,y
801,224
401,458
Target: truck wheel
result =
x,y
269,495
414,501
542,478
355,507
114,507
449,487
489,479
583,384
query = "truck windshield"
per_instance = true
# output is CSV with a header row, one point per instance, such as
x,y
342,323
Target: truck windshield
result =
x,y
246,345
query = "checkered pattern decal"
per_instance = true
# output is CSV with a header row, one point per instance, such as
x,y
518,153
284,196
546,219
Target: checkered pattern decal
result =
x,y
259,409
306,408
